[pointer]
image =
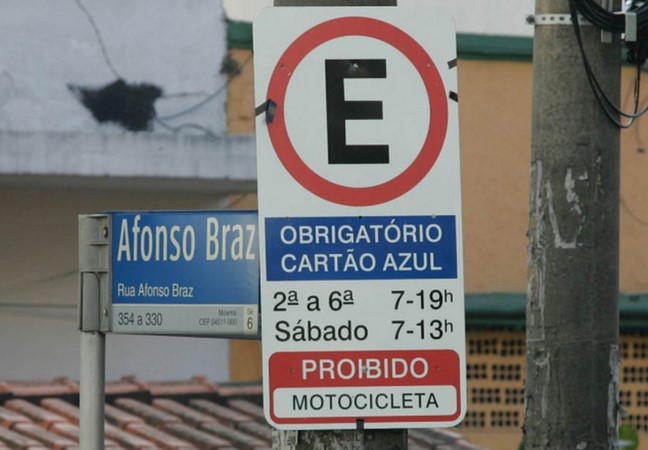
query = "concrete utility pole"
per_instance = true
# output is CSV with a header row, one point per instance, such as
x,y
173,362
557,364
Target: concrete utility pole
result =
x,y
347,439
572,312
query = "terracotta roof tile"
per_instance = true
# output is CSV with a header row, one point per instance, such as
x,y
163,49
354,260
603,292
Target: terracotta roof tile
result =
x,y
187,414
9,417
47,438
222,413
241,390
150,414
71,431
201,439
127,386
119,417
63,408
17,440
127,440
261,431
56,387
239,439
197,386
41,416
160,438
246,407
174,415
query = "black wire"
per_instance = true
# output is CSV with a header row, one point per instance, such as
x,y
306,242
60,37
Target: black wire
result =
x,y
596,88
182,94
97,33
602,99
608,20
197,106
176,129
160,120
206,100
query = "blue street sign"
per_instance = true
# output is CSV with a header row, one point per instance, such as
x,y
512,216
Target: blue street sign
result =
x,y
184,272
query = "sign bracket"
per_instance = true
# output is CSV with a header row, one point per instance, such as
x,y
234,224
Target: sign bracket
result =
x,y
94,254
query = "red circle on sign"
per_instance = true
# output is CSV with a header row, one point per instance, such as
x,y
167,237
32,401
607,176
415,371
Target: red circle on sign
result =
x,y
427,156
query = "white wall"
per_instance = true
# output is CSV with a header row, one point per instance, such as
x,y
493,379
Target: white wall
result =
x,y
178,45
38,267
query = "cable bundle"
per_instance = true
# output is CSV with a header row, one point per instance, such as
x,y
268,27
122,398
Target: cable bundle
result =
x,y
615,23
609,20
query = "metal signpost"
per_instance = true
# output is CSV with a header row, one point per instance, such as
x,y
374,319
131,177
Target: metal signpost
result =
x,y
174,273
359,218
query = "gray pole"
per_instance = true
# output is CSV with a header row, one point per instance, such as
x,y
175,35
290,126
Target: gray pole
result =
x,y
572,312
339,440
91,402
93,273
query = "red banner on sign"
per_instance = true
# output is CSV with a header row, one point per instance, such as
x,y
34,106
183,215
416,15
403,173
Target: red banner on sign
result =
x,y
372,386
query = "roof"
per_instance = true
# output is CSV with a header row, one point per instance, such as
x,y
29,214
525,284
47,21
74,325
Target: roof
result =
x,y
178,415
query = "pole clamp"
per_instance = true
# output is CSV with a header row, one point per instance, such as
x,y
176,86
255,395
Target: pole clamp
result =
x,y
94,262
554,19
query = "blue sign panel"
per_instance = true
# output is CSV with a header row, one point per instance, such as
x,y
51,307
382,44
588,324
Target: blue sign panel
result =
x,y
185,258
361,248
185,273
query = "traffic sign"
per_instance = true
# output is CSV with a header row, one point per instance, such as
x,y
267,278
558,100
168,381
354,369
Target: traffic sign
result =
x,y
359,218
295,54
184,273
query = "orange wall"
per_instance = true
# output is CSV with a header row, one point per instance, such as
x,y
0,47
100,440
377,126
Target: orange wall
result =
x,y
495,130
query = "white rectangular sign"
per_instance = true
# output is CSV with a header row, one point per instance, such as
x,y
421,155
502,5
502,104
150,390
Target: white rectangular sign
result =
x,y
360,218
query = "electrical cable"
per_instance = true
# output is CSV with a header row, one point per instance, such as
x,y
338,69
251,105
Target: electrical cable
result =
x,y
175,129
183,94
609,20
602,99
161,119
206,100
195,107
102,44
